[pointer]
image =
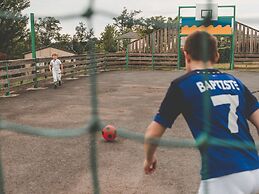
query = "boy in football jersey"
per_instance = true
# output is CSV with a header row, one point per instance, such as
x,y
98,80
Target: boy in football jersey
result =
x,y
56,67
225,169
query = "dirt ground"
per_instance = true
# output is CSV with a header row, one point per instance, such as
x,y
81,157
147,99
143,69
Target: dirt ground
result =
x,y
34,165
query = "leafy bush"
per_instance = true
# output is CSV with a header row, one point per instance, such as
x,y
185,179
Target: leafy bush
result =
x,y
224,54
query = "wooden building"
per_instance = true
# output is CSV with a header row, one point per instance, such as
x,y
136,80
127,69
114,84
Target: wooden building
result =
x,y
47,52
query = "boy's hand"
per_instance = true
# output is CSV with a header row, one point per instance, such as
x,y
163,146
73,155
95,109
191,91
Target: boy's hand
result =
x,y
150,166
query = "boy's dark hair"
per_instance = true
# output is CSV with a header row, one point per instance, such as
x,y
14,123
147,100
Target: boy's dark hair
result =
x,y
202,46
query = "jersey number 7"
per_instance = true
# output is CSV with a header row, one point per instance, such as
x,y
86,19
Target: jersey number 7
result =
x,y
233,101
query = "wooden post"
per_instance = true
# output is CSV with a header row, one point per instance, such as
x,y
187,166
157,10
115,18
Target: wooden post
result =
x,y
161,40
247,40
244,39
166,40
169,39
176,41
8,81
239,38
153,51
145,44
148,43
127,58
158,41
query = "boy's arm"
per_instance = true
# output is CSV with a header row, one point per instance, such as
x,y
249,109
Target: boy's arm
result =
x,y
254,119
252,108
154,132
169,110
50,66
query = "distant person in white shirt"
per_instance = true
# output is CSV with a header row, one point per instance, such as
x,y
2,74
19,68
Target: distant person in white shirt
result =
x,y
56,67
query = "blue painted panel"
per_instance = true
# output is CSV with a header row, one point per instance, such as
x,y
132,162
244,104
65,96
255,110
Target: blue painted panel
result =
x,y
190,21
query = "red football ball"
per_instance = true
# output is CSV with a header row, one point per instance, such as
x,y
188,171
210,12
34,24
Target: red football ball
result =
x,y
109,133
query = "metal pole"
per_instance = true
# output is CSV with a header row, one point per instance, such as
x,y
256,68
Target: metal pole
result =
x,y
232,65
179,41
8,81
33,48
127,58
153,51
2,190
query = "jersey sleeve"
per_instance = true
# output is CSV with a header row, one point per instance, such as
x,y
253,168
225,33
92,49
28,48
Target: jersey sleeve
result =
x,y
170,107
251,102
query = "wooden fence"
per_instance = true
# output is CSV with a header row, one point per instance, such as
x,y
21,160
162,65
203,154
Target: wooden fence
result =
x,y
246,39
160,41
165,41
247,61
22,74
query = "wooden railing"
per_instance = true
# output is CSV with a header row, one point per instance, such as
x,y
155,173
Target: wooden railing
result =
x,y
247,61
246,39
165,41
21,74
160,41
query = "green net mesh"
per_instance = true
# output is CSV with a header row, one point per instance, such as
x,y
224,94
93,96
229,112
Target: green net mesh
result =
x,y
95,124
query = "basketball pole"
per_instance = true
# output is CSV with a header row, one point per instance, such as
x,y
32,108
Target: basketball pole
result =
x,y
232,35
232,65
179,40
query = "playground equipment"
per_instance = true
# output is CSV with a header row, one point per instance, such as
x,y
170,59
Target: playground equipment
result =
x,y
165,40
207,18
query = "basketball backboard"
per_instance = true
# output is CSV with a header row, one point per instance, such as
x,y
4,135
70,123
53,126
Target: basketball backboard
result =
x,y
206,10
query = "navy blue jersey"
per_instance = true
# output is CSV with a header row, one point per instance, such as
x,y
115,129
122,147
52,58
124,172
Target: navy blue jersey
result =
x,y
219,104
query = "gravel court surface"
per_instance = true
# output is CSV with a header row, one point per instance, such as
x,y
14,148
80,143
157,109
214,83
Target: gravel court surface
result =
x,y
127,100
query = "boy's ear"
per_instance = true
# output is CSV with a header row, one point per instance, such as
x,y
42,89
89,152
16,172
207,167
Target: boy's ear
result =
x,y
217,57
187,56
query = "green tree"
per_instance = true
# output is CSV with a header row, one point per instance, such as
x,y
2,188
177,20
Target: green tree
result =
x,y
13,31
108,39
82,38
82,34
127,20
64,42
47,31
23,46
148,25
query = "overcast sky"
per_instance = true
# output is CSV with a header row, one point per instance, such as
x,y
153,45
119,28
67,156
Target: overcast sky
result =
x,y
247,10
